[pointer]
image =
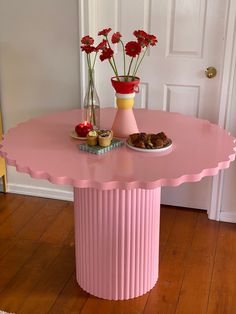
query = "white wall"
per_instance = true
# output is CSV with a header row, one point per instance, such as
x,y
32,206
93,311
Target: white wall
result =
x,y
39,44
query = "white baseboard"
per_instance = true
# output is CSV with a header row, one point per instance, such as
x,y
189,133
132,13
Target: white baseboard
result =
x,y
39,191
228,216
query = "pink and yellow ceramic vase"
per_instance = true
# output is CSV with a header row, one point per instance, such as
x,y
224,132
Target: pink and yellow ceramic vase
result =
x,y
125,123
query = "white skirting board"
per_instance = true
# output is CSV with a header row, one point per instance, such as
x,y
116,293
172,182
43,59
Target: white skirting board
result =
x,y
39,191
226,216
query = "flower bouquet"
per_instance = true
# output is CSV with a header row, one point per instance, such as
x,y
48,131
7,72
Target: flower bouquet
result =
x,y
136,50
126,83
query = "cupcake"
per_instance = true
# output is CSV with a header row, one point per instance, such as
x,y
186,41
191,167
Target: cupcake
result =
x,y
105,137
92,138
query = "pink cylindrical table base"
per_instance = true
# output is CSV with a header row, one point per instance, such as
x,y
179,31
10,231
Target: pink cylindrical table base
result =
x,y
117,241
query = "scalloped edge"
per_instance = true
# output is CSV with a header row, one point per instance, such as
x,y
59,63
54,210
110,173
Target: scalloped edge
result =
x,y
109,185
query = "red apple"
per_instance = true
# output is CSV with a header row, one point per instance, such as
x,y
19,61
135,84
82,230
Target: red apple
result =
x,y
82,129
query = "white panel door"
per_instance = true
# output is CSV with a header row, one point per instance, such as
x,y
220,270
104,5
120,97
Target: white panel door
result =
x,y
191,38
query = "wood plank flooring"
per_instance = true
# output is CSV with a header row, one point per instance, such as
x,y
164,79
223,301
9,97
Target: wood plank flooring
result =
x,y
37,264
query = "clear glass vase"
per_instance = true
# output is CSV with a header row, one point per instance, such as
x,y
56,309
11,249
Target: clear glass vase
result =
x,y
92,103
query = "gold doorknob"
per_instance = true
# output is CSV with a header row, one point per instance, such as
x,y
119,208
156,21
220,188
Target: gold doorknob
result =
x,y
210,72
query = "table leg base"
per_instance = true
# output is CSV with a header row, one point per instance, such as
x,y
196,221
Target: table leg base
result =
x,y
117,241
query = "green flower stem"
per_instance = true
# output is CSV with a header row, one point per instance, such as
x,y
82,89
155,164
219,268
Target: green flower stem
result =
x,y
130,67
134,73
114,67
123,56
94,60
135,67
116,72
90,88
89,61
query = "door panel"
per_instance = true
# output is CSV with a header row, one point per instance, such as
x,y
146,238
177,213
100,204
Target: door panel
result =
x,y
186,18
177,96
190,35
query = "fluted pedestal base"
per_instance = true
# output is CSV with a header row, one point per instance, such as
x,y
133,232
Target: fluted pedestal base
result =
x,y
117,241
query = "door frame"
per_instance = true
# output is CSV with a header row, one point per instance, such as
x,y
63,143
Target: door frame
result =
x,y
228,75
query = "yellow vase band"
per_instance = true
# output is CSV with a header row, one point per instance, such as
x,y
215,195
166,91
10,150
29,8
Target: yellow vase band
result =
x,y
125,103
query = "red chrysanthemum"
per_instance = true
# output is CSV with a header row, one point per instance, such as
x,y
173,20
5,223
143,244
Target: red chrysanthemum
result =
x,y
104,32
133,49
107,53
88,49
116,37
87,40
151,39
102,45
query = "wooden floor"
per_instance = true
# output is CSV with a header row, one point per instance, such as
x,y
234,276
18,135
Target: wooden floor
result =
x,y
37,267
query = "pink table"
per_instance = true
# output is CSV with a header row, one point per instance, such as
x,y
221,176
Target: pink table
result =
x,y
117,195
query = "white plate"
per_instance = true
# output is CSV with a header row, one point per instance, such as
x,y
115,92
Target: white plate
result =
x,y
73,134
146,150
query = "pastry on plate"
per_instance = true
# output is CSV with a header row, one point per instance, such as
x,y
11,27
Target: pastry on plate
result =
x,y
149,141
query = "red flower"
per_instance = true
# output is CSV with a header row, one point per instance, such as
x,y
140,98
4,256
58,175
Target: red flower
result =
x,y
116,37
133,49
107,53
104,32
152,40
140,34
102,45
87,40
141,37
88,49
143,42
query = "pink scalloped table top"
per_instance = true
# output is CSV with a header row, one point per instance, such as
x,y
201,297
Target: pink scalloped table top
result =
x,y
43,148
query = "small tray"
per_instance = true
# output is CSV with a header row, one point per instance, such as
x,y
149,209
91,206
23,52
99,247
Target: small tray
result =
x,y
98,150
150,150
73,134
